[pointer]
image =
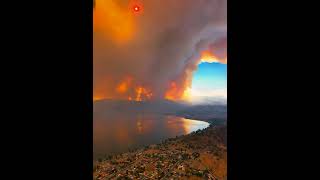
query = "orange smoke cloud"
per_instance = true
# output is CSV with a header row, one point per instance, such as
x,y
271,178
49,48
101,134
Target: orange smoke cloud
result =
x,y
149,49
208,56
124,85
178,91
113,20
174,92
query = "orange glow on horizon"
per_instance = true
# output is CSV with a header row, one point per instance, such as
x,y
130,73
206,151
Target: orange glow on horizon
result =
x,y
97,98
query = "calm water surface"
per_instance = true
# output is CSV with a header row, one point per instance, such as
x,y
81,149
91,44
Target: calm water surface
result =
x,y
119,132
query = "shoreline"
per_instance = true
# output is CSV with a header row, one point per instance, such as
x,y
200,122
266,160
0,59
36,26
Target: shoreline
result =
x,y
107,155
199,154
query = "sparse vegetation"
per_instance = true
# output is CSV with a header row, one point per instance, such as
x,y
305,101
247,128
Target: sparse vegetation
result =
x,y
196,155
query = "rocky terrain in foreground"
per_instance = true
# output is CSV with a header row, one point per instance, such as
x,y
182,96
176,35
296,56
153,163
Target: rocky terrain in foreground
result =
x,y
199,155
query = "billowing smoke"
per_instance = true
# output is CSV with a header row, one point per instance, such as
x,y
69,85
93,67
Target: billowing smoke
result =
x,y
155,50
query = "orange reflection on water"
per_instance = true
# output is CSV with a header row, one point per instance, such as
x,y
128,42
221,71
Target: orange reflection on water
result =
x,y
175,124
144,124
118,132
192,125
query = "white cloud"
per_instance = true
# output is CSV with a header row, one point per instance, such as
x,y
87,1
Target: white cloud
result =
x,y
213,96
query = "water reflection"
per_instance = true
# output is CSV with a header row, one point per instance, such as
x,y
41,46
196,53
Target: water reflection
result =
x,y
118,132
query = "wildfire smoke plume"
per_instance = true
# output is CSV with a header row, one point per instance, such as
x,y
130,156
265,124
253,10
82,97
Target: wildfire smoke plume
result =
x,y
151,52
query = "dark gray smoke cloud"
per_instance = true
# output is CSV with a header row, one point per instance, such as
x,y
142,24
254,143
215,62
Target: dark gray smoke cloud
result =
x,y
165,46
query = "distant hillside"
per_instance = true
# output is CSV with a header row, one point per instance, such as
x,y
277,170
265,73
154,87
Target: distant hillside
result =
x,y
202,112
204,100
123,106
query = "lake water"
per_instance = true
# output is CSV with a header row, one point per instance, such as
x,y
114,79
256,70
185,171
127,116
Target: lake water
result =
x,y
119,132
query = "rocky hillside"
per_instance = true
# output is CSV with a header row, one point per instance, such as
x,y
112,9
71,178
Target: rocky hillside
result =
x,y
199,155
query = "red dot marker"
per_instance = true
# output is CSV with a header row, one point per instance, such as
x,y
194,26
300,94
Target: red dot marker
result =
x,y
136,8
